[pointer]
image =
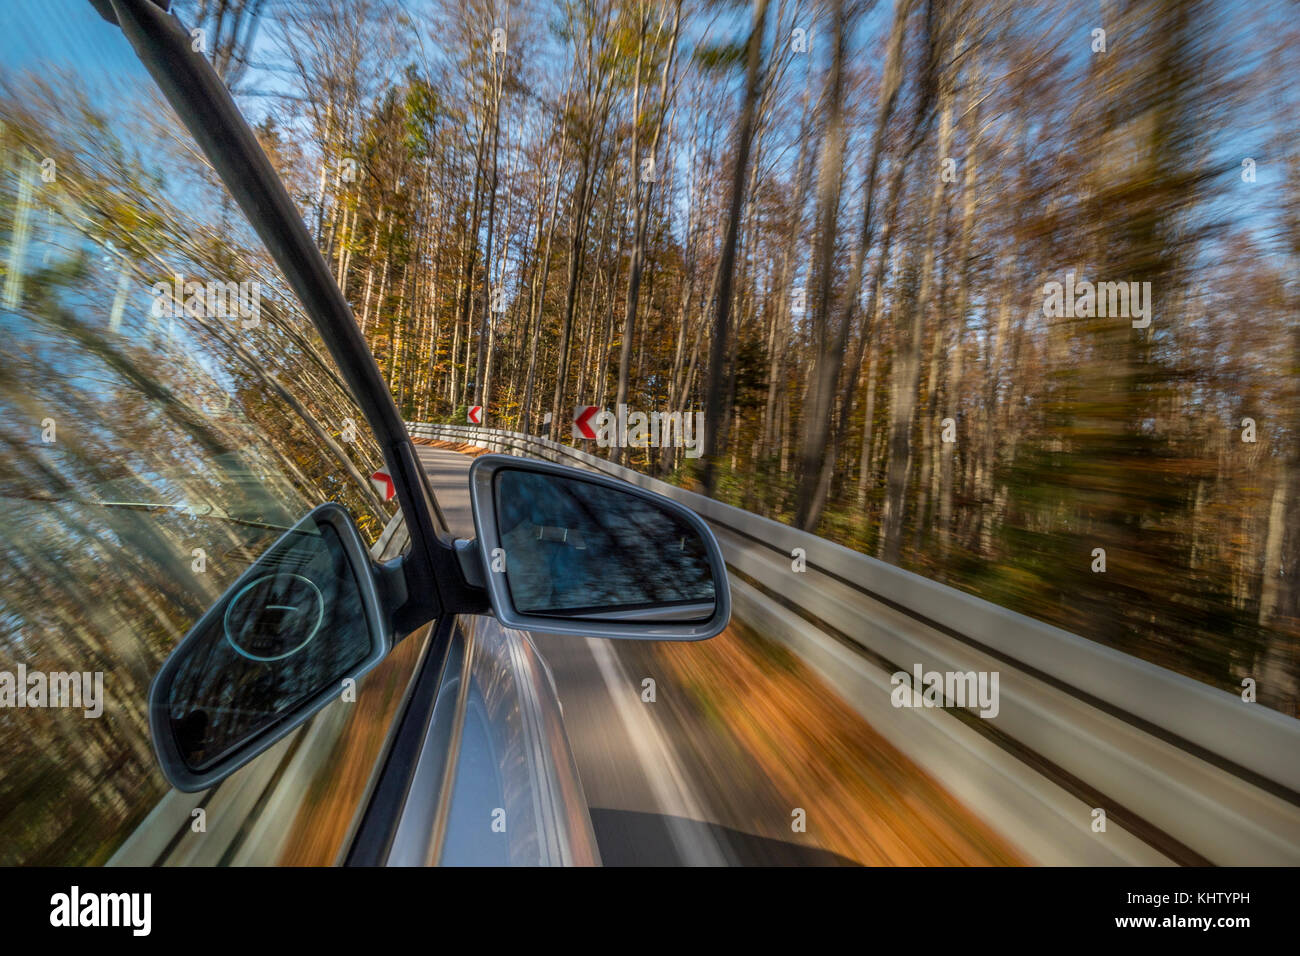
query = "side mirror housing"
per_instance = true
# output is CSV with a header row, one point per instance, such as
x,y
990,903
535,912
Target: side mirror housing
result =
x,y
270,653
566,551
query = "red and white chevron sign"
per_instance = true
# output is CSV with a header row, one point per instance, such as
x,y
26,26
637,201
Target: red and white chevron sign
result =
x,y
383,483
582,416
475,415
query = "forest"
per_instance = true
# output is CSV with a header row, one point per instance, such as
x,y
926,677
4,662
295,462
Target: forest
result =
x,y
836,228
1005,294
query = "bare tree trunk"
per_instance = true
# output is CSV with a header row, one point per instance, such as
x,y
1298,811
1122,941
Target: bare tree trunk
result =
x,y
480,372
828,342
907,360
815,471
526,406
719,347
962,299
640,218
865,465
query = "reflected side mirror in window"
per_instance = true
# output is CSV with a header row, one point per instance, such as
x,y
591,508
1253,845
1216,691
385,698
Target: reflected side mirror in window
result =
x,y
273,651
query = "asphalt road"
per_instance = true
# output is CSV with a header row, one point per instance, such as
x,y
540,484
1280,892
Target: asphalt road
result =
x,y
644,808
666,783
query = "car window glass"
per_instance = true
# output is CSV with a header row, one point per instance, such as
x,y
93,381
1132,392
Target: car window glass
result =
x,y
167,410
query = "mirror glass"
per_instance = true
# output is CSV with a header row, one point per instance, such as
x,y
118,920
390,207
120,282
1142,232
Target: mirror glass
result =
x,y
292,627
577,548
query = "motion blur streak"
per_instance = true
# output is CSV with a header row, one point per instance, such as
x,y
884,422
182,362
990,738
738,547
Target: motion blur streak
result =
x,y
549,213
740,735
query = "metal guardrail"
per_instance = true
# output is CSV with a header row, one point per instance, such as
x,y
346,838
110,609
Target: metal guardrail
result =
x,y
1199,773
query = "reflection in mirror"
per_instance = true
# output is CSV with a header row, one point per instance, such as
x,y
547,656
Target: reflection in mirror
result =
x,y
581,549
291,628
148,452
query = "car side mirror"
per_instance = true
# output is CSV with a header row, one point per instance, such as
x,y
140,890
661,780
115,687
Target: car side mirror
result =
x,y
566,551
271,652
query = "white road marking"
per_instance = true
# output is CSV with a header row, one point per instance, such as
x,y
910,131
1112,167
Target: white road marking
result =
x,y
655,754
